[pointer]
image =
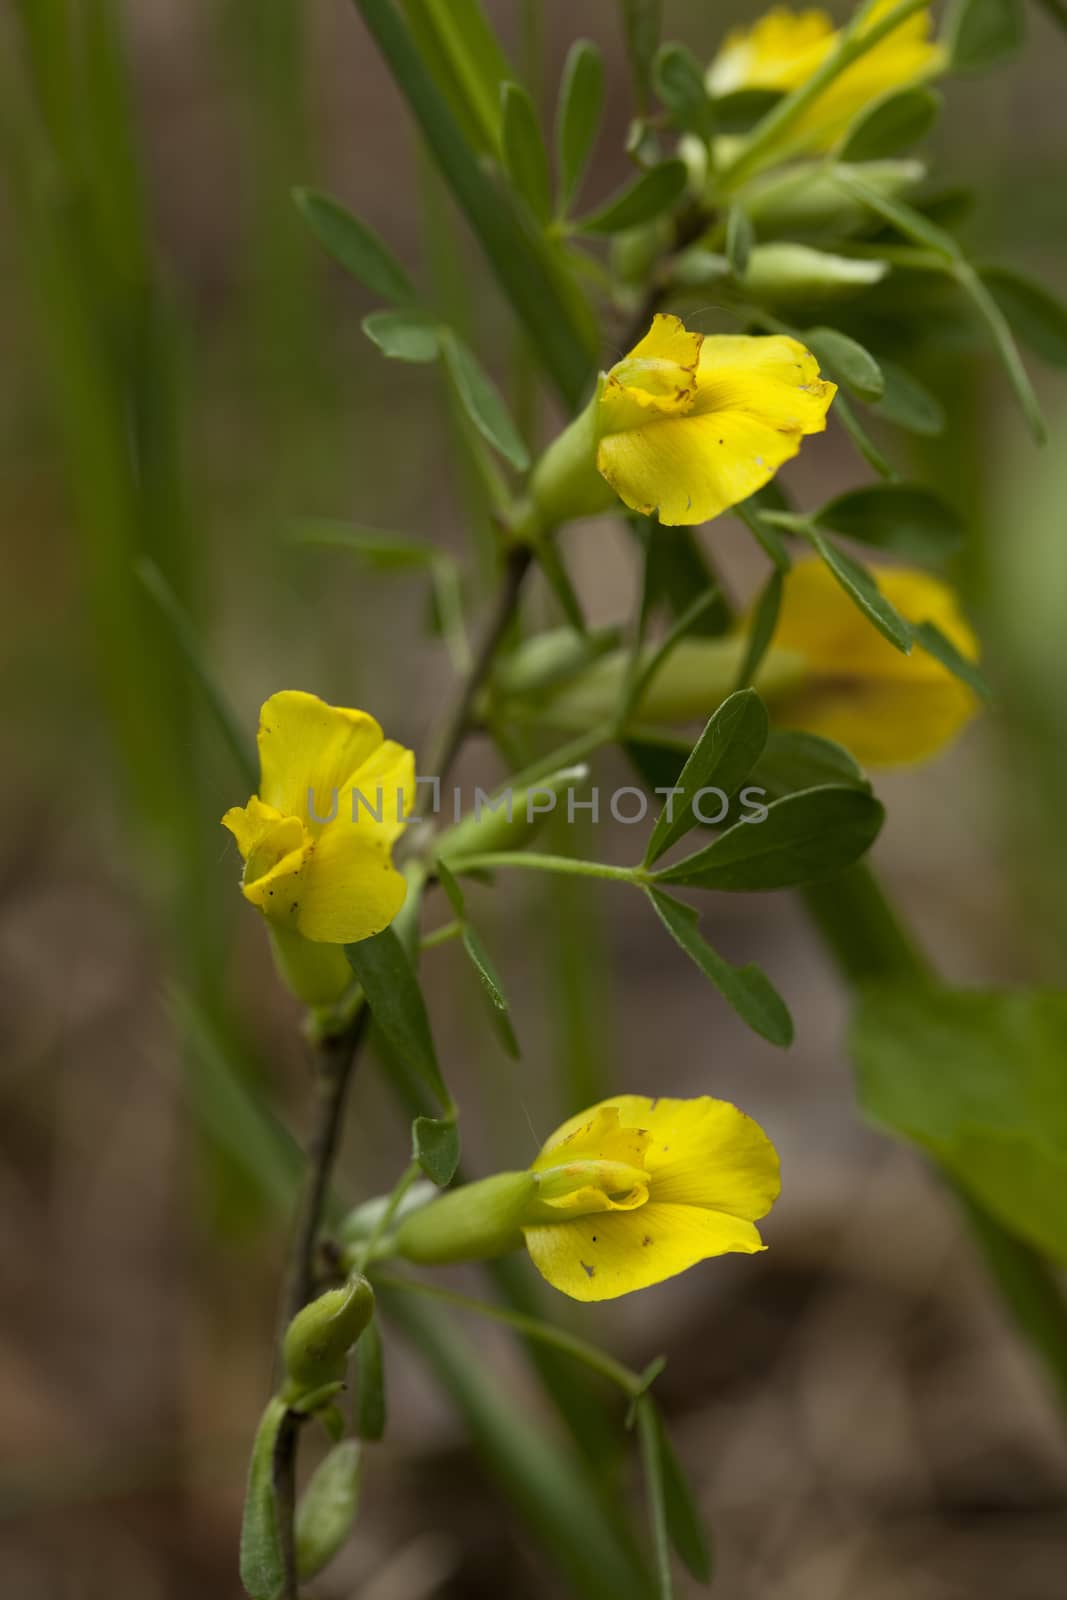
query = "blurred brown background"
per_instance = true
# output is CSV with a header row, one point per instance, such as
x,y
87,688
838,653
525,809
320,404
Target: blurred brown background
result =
x,y
855,1416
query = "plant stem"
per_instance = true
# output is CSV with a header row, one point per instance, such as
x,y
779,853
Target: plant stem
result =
x,y
631,1383
531,861
457,723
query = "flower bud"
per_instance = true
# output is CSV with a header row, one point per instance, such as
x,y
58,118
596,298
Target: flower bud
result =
x,y
781,274
508,820
318,1339
807,197
470,1223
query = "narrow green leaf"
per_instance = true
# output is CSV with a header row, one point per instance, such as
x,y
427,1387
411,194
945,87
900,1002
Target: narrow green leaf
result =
x,y
650,194
651,1437
846,361
684,1522
457,42
761,633
794,760
262,1569
739,111
844,414
907,403
740,238
931,639
581,102
547,303
525,156
1036,315
327,1509
905,518
864,592
722,757
892,124
803,838
435,1146
385,551
404,335
371,1409
642,20
679,83
448,883
492,988
191,648
392,990
988,309
982,33
747,989
482,402
911,223
355,247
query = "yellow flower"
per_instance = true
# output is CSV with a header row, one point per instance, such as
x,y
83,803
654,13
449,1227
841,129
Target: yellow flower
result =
x,y
784,48
685,426
636,1190
888,709
317,839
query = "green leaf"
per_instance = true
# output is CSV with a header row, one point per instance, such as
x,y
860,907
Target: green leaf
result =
x,y
651,1437
457,42
482,402
844,414
581,102
929,636
846,361
544,297
435,1146
404,335
864,592
684,1523
679,83
739,111
385,551
740,237
1036,315
492,988
904,218
392,990
902,517
642,20
906,403
761,633
803,838
371,1407
328,1507
989,310
975,1077
355,247
796,760
891,124
262,1569
525,156
448,883
982,32
722,757
747,989
650,194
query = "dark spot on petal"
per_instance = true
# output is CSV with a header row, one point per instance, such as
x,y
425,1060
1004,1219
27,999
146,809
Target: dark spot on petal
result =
x,y
590,1272
647,1239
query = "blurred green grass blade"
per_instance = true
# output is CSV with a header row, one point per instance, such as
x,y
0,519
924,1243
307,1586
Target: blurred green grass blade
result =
x,y
641,24
548,1488
192,650
457,43
548,305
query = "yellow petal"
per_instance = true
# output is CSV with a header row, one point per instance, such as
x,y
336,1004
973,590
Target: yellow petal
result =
x,y
693,468
382,789
768,376
351,888
595,1135
251,823
305,744
779,51
705,1152
601,1257
887,708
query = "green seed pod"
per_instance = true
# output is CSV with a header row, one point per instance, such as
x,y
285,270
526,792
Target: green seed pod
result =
x,y
806,197
471,1223
328,1507
510,819
320,1336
